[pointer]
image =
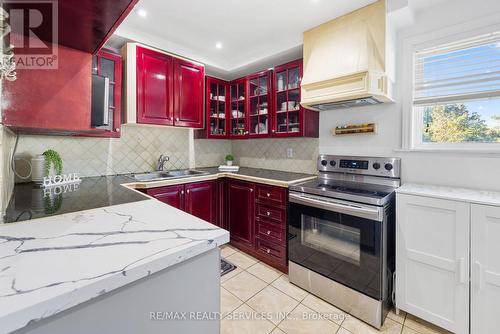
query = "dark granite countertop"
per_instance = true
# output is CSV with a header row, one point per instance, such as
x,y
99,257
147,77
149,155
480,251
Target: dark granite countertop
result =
x,y
263,173
30,201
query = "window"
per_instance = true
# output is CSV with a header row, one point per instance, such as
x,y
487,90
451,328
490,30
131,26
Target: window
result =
x,y
456,93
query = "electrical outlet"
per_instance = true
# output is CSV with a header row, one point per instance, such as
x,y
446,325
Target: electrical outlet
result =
x,y
289,152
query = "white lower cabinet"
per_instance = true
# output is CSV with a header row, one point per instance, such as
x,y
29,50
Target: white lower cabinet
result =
x,y
447,258
432,260
485,270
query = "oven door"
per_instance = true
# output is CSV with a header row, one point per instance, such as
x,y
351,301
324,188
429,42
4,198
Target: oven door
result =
x,y
339,240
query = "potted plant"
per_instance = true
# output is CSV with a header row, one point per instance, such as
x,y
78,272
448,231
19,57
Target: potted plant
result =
x,y
229,159
53,163
47,164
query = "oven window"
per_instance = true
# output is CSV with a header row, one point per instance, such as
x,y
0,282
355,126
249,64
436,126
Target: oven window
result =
x,y
331,238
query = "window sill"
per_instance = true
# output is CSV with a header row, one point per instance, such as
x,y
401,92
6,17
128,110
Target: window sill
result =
x,y
441,150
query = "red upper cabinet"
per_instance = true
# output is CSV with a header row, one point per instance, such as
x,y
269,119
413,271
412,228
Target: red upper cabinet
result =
x,y
201,200
238,109
154,87
217,109
162,89
51,100
188,93
259,104
290,119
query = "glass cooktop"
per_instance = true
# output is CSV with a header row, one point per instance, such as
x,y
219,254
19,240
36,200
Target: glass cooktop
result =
x,y
354,191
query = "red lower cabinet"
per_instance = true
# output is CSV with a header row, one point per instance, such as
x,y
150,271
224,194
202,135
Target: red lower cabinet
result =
x,y
171,195
241,213
256,218
255,214
200,200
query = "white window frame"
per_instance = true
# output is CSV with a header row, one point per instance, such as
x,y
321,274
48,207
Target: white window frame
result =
x,y
412,120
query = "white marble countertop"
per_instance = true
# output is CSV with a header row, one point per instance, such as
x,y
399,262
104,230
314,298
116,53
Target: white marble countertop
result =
x,y
50,264
452,193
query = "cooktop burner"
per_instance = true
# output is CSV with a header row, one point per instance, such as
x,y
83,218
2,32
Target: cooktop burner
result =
x,y
354,191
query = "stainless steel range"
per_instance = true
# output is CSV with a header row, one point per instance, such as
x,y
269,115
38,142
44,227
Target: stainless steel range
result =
x,y
341,234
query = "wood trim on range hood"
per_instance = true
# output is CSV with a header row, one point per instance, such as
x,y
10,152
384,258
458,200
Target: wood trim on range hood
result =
x,y
344,60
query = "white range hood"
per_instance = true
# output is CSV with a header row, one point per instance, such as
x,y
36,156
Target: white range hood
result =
x,y
345,61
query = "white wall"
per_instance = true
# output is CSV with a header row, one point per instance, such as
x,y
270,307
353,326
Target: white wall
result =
x,y
454,169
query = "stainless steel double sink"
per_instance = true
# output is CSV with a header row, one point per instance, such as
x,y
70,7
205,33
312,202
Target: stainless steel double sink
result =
x,y
173,174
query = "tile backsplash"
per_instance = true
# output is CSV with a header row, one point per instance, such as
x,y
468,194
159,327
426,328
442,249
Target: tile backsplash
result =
x,y
137,150
211,152
272,154
7,140
140,146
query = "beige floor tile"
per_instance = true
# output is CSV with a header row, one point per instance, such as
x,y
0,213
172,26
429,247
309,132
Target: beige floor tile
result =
x,y
227,250
316,304
356,326
303,320
242,260
398,318
342,330
230,274
244,285
244,321
264,272
277,331
273,302
408,330
422,326
285,286
228,302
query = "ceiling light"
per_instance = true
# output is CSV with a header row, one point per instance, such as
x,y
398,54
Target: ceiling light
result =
x,y
142,13
218,45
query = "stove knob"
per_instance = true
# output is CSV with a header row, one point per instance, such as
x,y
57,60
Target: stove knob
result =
x,y
324,162
333,163
388,166
376,165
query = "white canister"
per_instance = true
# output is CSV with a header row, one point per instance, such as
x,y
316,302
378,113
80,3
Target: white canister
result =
x,y
229,162
38,169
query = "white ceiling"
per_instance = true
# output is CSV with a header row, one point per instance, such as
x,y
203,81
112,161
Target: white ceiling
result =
x,y
256,31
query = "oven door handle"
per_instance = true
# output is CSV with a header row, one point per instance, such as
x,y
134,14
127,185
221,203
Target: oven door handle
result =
x,y
334,206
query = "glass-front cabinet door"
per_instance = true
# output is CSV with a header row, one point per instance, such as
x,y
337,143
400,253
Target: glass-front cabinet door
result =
x,y
259,88
109,65
238,112
217,107
288,115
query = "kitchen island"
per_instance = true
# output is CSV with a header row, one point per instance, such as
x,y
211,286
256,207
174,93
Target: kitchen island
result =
x,y
115,269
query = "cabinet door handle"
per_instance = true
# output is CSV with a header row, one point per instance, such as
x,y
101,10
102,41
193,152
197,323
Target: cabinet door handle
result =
x,y
268,232
187,191
268,251
462,275
268,195
251,190
268,213
177,119
479,275
182,192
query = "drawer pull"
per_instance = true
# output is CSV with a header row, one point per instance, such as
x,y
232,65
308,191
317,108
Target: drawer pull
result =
x,y
268,213
268,232
268,251
268,195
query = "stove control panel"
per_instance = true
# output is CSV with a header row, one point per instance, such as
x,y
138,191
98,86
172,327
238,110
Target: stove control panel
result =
x,y
375,166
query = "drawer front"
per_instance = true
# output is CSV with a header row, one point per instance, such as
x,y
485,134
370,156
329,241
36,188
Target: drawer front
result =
x,y
271,250
269,213
271,195
271,232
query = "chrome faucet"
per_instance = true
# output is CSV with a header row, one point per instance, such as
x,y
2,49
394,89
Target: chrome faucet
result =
x,y
161,162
